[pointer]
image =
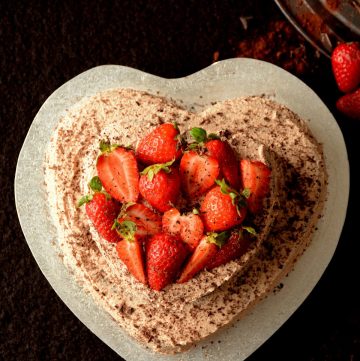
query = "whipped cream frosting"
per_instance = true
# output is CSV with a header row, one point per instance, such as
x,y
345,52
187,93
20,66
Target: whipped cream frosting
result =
x,y
172,320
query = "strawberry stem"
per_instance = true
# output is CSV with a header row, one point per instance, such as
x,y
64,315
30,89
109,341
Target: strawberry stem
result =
x,y
153,169
95,184
218,238
84,199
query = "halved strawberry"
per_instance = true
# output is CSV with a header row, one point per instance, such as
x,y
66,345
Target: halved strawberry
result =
x,y
235,247
189,226
160,146
160,185
222,208
130,250
147,222
202,255
165,255
198,173
255,177
118,171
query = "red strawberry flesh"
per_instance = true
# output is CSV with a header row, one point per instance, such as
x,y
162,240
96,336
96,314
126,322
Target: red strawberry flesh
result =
x,y
198,173
118,172
131,253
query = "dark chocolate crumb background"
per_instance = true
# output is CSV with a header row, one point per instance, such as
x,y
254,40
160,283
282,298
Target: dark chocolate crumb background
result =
x,y
44,44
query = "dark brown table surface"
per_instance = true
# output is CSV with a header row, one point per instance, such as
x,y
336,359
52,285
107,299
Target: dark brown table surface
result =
x,y
44,44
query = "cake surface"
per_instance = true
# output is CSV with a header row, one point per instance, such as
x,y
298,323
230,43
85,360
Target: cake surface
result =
x,y
173,319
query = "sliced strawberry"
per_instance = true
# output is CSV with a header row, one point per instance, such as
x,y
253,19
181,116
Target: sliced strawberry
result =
x,y
147,222
222,208
255,177
165,255
160,185
118,171
189,226
235,247
225,155
349,104
130,250
202,255
171,222
198,173
102,212
160,146
345,61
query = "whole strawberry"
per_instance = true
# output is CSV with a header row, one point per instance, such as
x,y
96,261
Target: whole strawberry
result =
x,y
118,171
165,255
102,211
160,146
235,247
345,61
349,104
160,185
223,208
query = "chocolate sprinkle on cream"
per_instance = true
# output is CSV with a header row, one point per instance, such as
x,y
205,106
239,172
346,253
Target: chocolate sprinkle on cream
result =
x,y
174,319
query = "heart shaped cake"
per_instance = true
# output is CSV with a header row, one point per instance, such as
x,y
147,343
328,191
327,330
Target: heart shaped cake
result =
x,y
178,222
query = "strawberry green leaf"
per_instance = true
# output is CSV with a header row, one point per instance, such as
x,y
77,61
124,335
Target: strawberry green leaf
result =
x,y
176,126
125,229
95,184
224,188
246,192
212,136
85,199
151,170
107,147
198,134
218,238
250,230
195,211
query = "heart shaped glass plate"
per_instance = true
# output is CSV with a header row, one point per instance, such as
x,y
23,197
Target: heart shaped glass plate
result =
x,y
220,81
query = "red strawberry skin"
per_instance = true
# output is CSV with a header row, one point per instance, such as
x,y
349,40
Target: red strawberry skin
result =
x,y
255,176
189,227
204,252
159,146
234,248
165,255
147,222
198,173
345,61
102,212
219,213
224,154
118,172
131,253
163,190
349,104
